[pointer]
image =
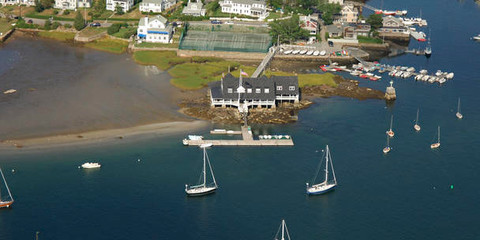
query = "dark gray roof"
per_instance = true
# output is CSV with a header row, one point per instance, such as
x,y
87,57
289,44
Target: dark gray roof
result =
x,y
229,81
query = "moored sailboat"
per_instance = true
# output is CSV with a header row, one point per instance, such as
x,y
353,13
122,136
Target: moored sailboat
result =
x,y
282,232
416,126
390,132
387,148
8,200
203,188
458,114
326,185
437,144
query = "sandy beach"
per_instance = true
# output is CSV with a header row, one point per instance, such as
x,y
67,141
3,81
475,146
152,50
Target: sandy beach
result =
x,y
67,95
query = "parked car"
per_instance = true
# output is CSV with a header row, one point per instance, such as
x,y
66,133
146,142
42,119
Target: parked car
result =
x,y
95,24
330,43
30,21
216,22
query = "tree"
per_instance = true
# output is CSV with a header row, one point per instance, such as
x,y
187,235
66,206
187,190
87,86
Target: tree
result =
x,y
375,21
38,6
287,30
79,22
119,10
328,9
48,25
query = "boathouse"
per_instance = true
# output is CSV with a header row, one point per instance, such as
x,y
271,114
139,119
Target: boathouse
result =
x,y
262,92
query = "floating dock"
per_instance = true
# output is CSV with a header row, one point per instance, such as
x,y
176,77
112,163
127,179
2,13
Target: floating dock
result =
x,y
247,140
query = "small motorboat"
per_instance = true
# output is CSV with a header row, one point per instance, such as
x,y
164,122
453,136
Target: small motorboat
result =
x,y
287,52
310,52
91,165
302,52
423,71
316,53
477,38
294,52
450,75
323,52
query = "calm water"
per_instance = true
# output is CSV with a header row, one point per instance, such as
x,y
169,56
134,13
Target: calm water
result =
x,y
404,195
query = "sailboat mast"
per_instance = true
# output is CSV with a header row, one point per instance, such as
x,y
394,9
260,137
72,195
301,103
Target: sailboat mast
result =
x,y
6,185
326,163
458,108
391,123
416,121
204,167
333,170
438,134
283,229
211,171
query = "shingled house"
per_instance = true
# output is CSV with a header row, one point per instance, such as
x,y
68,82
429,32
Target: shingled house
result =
x,y
262,92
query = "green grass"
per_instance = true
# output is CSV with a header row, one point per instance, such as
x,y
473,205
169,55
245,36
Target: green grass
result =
x,y
4,25
161,59
274,15
108,45
125,32
61,36
309,79
191,76
38,16
92,31
362,39
156,45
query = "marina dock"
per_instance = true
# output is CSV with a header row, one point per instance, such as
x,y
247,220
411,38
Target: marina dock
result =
x,y
247,139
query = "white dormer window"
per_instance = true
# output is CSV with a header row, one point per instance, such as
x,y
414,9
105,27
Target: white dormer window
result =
x,y
267,90
249,90
279,88
230,90
258,90
291,88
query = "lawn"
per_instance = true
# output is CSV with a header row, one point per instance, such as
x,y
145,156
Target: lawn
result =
x,y
91,31
274,15
362,39
125,32
161,59
309,79
61,36
5,25
108,45
156,45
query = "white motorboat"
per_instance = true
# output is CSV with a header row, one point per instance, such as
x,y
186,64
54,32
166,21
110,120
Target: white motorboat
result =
x,y
355,73
294,52
439,73
310,52
423,71
323,52
91,165
203,188
477,38
442,80
287,52
316,53
302,52
326,185
450,75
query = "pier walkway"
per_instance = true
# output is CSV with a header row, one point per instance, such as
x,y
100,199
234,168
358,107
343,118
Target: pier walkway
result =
x,y
247,140
265,62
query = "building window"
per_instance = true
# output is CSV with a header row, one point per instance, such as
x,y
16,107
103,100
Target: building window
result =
x,y
230,90
249,90
291,88
267,90
258,90
279,88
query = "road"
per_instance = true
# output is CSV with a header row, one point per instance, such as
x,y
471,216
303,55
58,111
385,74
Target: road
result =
x,y
42,22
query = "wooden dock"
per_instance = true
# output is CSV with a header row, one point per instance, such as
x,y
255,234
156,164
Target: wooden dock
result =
x,y
246,141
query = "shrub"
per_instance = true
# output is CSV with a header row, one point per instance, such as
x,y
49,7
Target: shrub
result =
x,y
48,25
129,33
114,28
55,11
66,12
67,25
55,25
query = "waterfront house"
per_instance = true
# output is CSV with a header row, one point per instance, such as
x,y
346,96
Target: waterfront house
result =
x,y
309,23
334,30
18,2
154,29
156,6
262,92
393,25
253,8
194,8
336,1
352,31
72,4
349,13
125,4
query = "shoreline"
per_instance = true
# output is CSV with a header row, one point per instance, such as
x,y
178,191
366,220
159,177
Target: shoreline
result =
x,y
101,136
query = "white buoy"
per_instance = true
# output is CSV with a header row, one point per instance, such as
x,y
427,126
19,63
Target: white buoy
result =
x,y
13,170
138,160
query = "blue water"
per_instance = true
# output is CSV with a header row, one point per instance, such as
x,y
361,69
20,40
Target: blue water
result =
x,y
403,195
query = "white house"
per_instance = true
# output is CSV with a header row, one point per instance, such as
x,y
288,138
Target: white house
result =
x,y
254,8
336,1
194,8
72,4
125,4
155,29
155,6
18,2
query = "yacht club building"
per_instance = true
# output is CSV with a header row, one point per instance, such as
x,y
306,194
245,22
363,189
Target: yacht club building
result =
x,y
262,92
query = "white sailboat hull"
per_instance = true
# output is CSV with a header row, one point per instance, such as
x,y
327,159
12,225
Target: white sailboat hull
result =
x,y
321,188
459,115
417,127
200,190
